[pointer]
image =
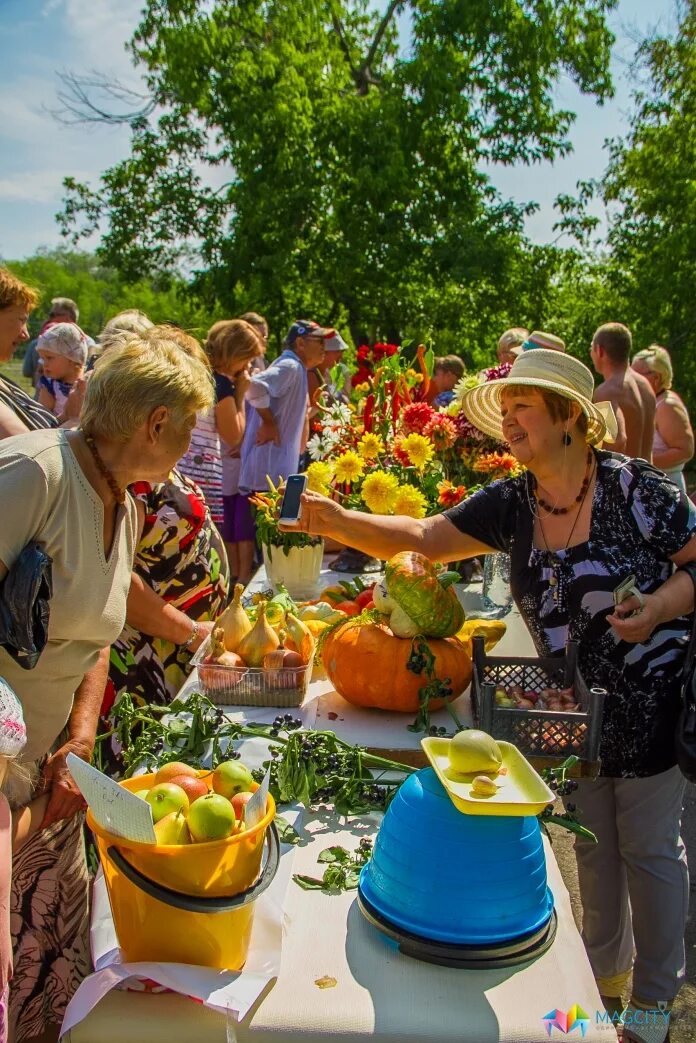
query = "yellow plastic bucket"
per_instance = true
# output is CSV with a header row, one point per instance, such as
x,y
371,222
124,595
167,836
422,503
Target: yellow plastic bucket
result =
x,y
188,904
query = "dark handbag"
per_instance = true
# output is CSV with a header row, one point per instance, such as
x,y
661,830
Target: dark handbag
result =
x,y
685,737
25,594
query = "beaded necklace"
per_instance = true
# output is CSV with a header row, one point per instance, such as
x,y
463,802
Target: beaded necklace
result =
x,y
556,562
549,508
118,493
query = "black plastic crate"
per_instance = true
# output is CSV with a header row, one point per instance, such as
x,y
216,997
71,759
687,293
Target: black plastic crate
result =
x,y
545,737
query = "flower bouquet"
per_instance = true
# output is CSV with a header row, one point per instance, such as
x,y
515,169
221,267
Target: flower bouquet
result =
x,y
389,452
292,559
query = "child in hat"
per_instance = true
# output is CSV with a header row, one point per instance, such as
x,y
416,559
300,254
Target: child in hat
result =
x,y
62,349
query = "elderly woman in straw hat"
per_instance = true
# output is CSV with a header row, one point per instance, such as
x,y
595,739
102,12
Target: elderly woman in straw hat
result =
x,y
67,491
576,522
673,441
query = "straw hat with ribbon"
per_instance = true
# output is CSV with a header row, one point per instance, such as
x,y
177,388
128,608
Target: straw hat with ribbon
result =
x,y
549,370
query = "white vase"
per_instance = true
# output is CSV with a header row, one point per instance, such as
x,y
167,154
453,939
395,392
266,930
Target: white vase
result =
x,y
298,570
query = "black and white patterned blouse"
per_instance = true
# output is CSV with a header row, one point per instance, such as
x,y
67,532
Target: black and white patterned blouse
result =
x,y
639,520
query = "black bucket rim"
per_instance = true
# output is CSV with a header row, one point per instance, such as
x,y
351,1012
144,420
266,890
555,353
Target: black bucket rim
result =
x,y
201,903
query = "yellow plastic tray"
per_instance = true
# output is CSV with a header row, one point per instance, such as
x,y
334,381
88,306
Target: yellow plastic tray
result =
x,y
521,791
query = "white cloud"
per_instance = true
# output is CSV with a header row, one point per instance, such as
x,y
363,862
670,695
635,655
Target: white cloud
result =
x,y
36,186
99,31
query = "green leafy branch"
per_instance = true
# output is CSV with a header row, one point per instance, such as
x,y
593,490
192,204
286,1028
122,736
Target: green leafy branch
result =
x,y
342,872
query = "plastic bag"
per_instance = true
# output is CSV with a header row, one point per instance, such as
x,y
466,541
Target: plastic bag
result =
x,y
25,594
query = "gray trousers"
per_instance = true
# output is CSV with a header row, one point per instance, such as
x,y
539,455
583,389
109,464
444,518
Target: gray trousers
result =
x,y
634,883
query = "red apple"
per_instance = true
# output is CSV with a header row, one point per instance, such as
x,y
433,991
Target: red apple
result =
x,y
193,787
239,802
168,771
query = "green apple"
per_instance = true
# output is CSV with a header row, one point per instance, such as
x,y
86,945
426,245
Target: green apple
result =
x,y
232,777
166,798
211,818
172,830
502,698
142,793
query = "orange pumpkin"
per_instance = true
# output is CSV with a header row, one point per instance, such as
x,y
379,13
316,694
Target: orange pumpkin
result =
x,y
367,666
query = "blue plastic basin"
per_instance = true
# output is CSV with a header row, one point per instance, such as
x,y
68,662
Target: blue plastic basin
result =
x,y
463,879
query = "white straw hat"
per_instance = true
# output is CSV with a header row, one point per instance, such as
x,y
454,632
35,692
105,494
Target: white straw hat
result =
x,y
546,369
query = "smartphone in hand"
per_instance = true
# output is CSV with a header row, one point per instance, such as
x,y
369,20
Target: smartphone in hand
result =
x,y
290,509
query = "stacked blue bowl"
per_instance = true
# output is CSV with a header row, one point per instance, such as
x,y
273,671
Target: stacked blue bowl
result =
x,y
461,879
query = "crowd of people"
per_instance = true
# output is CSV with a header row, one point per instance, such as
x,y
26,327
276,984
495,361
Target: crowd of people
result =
x,y
132,464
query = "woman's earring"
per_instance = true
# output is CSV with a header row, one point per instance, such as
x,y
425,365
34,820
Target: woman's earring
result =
x,y
566,438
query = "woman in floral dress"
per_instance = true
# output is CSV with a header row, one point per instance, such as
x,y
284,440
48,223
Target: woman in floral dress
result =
x,y
182,562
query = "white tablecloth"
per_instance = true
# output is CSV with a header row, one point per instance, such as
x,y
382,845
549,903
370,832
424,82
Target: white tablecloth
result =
x,y
379,995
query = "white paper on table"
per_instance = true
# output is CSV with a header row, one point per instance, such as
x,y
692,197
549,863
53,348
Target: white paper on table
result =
x,y
256,806
224,991
116,809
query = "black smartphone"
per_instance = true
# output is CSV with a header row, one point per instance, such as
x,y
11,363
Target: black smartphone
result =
x,y
290,507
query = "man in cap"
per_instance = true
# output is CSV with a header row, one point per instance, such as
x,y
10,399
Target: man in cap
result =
x,y
319,379
630,394
277,426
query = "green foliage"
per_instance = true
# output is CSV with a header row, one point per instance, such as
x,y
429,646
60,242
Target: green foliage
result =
x,y
348,160
645,276
651,185
100,292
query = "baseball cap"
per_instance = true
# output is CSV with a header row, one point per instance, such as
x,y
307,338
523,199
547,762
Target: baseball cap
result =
x,y
307,328
335,343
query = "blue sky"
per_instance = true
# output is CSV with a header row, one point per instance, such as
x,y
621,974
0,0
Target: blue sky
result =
x,y
41,38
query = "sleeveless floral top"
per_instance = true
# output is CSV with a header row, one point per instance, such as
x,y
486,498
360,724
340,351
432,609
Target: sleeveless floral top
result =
x,y
640,519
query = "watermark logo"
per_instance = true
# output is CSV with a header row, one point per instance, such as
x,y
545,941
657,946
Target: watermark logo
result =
x,y
567,1021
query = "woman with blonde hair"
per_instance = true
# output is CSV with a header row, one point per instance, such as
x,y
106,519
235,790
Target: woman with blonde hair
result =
x,y
179,585
673,442
213,458
67,490
577,522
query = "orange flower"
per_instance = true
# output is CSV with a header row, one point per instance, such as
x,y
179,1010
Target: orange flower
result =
x,y
450,495
497,463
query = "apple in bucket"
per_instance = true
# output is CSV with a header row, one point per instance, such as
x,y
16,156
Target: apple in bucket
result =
x,y
211,818
166,798
231,777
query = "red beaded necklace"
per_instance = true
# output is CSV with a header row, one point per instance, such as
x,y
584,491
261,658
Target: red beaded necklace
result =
x,y
578,499
118,493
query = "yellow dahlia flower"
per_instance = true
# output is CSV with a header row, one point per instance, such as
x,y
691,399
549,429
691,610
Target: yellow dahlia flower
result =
x,y
379,492
348,467
418,449
410,501
370,446
319,475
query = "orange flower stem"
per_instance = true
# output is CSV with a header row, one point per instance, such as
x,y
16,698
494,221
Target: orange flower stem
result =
x,y
420,359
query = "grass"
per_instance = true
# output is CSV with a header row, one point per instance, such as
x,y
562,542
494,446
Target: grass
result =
x,y
13,370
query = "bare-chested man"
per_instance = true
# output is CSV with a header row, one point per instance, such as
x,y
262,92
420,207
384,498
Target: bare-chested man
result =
x,y
630,393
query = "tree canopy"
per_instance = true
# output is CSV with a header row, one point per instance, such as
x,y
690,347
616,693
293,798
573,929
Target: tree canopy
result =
x,y
325,157
644,274
100,292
